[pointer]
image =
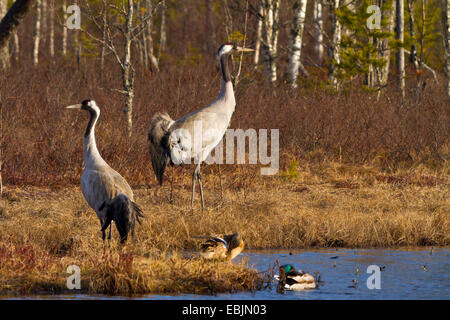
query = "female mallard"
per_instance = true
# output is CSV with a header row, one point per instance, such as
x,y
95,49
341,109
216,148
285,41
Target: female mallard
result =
x,y
226,247
291,279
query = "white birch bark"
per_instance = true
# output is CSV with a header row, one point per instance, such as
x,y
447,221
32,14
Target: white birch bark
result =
x,y
4,52
401,52
382,74
52,28
77,42
151,52
258,35
163,36
295,47
64,36
16,46
318,28
335,43
447,43
37,33
127,68
44,19
270,14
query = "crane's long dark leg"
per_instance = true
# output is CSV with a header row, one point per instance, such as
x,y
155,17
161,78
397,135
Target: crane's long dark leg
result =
x,y
194,175
199,177
171,188
102,222
110,232
220,179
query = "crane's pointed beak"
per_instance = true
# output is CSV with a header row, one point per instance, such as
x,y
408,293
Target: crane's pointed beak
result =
x,y
75,106
241,49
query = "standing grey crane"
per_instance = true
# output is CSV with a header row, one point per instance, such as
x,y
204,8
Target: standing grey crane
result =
x,y
170,141
105,190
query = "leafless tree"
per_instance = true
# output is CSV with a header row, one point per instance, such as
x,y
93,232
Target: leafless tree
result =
x,y
37,32
64,35
52,28
258,34
16,46
163,36
130,30
147,33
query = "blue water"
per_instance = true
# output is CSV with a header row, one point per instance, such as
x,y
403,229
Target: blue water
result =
x,y
408,274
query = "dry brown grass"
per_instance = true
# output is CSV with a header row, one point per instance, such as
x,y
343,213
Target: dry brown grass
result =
x,y
43,231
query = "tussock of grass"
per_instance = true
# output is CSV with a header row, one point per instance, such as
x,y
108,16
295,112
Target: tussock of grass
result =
x,y
27,269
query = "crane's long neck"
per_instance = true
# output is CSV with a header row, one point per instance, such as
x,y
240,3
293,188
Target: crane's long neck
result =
x,y
92,157
226,91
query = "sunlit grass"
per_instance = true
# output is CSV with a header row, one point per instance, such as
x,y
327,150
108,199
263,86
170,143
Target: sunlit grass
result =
x,y
44,231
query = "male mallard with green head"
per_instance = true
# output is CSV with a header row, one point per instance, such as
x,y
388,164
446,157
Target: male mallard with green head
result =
x,y
291,279
226,247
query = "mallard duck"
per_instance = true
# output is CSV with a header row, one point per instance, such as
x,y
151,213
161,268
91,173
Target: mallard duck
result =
x,y
226,247
291,279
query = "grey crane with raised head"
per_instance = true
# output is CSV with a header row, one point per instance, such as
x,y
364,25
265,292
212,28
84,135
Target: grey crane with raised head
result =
x,y
196,134
104,189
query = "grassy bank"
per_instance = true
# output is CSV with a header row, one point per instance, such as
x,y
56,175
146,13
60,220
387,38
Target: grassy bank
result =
x,y
26,268
333,205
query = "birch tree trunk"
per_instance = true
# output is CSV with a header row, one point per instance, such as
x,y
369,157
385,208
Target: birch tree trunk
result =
x,y
127,68
447,42
258,35
382,73
270,14
37,33
77,42
163,36
335,43
52,28
318,27
64,36
13,18
44,18
141,43
4,51
209,29
399,27
103,44
150,48
295,47
16,46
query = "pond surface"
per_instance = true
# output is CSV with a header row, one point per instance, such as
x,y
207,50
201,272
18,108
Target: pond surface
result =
x,y
408,274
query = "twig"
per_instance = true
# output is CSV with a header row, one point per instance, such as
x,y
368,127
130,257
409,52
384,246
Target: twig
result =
x,y
236,79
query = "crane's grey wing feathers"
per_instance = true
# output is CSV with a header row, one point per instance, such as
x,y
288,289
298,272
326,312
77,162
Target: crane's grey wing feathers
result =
x,y
100,187
158,143
212,125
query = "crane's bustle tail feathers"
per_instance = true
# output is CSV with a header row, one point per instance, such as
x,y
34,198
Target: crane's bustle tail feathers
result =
x,y
124,213
158,143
